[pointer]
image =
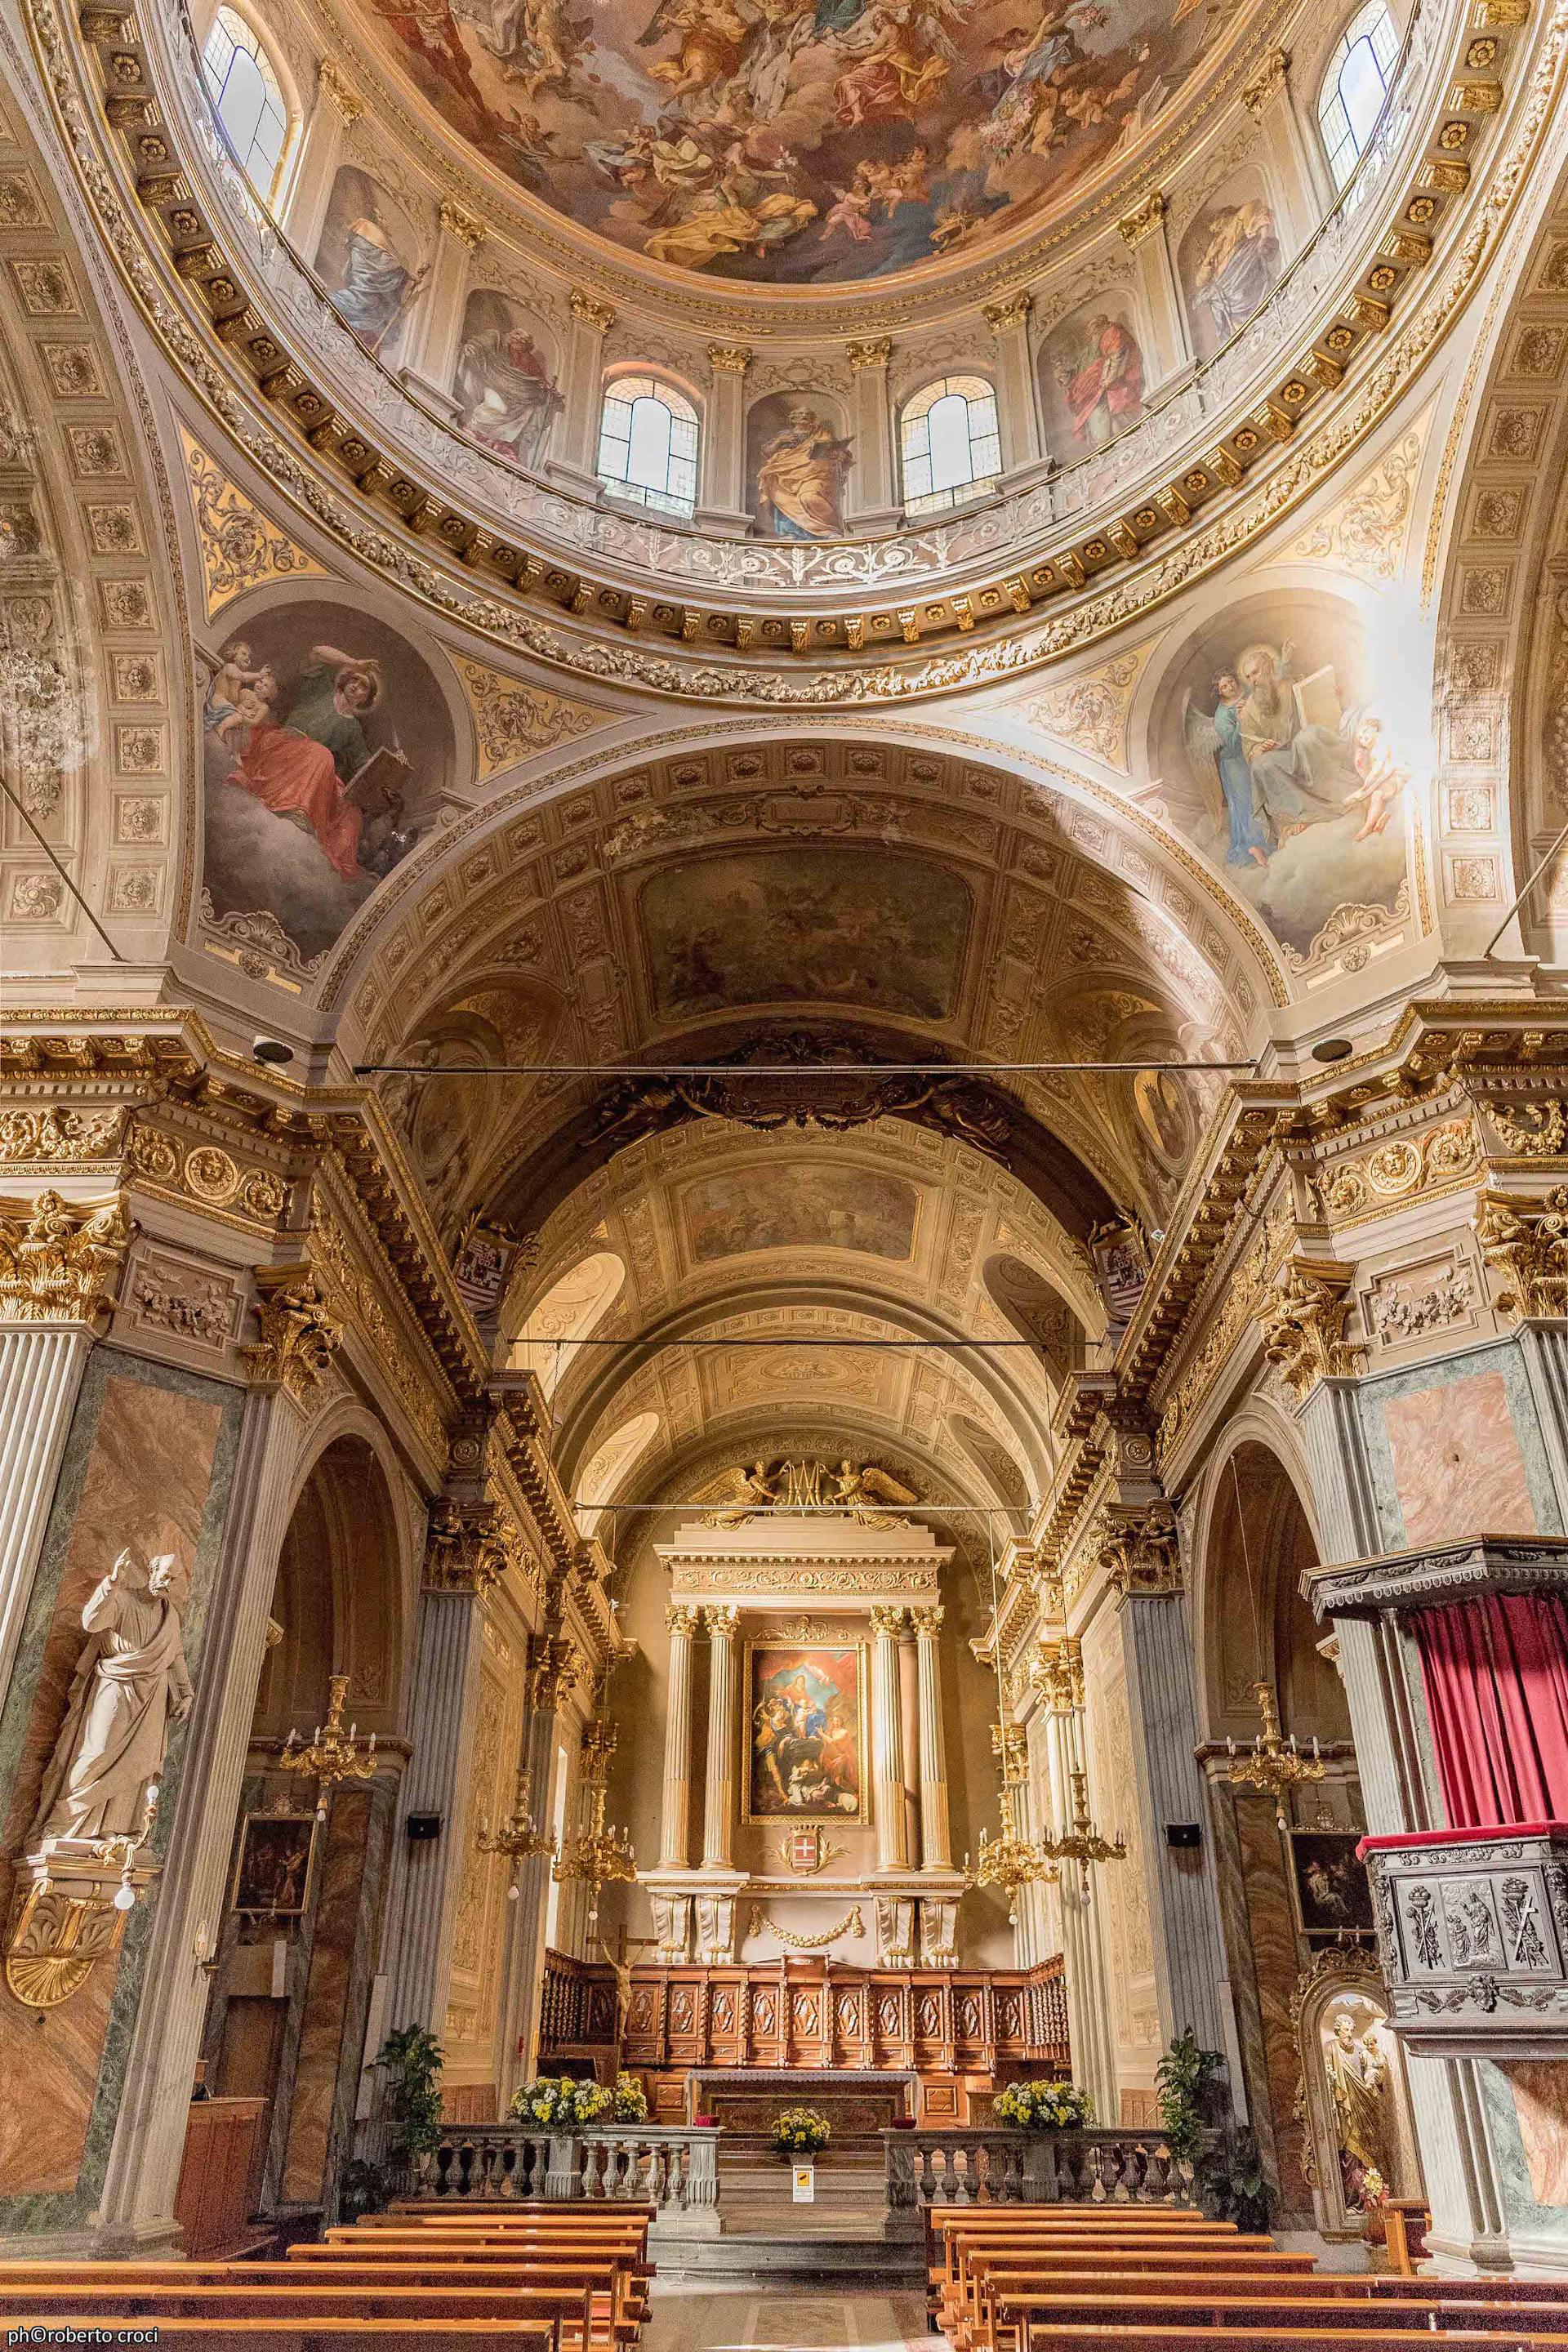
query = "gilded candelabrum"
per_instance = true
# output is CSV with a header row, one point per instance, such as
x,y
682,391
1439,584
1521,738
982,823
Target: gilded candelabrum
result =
x,y
518,1836
1272,1764
1083,1843
1009,1862
333,1755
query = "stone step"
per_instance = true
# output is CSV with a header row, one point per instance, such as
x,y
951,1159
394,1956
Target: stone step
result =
x,y
803,2255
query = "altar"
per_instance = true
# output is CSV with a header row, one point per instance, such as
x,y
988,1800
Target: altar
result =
x,y
854,2102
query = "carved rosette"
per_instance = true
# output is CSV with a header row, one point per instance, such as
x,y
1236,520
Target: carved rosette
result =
x,y
1304,1319
61,1263
469,1547
1140,1551
299,1337
1524,1244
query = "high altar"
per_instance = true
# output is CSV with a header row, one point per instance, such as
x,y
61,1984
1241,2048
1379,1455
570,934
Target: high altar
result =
x,y
825,1794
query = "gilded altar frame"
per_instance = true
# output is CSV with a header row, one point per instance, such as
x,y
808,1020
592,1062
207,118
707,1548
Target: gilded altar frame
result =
x,y
861,1817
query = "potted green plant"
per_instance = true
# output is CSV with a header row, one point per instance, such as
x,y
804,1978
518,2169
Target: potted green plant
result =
x,y
560,2103
1183,2077
1216,2156
1043,2106
801,2132
411,2061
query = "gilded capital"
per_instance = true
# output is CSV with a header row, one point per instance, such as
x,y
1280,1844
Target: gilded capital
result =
x,y
681,1619
1001,317
729,359
875,353
1056,1671
299,1337
1303,1321
1144,219
60,1264
335,85
927,1623
467,1547
887,1622
1524,1246
1267,84
1140,1551
592,311
467,230
722,1619
554,1670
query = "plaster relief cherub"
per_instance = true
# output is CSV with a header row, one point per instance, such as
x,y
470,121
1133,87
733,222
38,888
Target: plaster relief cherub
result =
x,y
131,1683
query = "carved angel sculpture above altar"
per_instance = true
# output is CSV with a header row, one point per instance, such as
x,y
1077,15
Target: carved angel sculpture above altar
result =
x,y
859,1489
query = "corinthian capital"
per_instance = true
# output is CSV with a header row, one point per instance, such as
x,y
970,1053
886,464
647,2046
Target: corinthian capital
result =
x,y
681,1619
1140,1551
299,1337
927,1623
60,1264
1304,1324
722,1619
888,1622
1524,1244
554,1670
467,1547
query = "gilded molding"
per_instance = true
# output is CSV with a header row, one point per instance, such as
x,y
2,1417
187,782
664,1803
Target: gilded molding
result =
x,y
54,1133
1144,219
729,359
299,1337
590,311
60,1262
336,86
456,222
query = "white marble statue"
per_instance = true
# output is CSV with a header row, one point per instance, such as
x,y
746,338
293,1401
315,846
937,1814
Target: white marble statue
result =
x,y
131,1683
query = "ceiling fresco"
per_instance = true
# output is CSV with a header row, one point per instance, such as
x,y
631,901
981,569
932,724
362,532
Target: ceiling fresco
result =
x,y
801,141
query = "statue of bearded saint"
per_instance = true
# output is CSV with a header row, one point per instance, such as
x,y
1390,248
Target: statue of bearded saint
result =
x,y
1358,2086
130,1683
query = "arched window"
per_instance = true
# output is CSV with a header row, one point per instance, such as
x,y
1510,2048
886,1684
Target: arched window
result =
x,y
607,1467
647,444
246,100
950,443
1355,87
555,1326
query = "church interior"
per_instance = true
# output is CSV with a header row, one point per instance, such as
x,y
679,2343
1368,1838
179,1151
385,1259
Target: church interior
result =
x,y
784,1225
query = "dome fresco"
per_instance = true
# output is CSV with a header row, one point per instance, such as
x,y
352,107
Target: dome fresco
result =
x,y
801,141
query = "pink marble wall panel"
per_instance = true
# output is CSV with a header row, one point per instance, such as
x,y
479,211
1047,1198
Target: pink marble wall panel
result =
x,y
1458,1467
146,1485
1541,2099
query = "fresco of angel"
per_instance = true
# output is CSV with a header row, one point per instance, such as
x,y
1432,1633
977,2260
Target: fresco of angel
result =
x,y
712,37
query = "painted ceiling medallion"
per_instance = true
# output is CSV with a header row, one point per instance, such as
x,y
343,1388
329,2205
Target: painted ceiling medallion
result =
x,y
802,141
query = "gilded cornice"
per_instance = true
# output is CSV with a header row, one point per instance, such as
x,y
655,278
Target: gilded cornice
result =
x,y
431,523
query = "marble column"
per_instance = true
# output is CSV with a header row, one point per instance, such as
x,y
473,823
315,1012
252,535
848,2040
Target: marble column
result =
x,y
58,1286
1143,232
719,1813
887,1740
676,1797
936,1833
136,2209
721,502
874,499
427,1872
575,464
1017,398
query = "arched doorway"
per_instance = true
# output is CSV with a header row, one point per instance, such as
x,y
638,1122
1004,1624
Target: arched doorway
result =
x,y
1324,2082
290,2012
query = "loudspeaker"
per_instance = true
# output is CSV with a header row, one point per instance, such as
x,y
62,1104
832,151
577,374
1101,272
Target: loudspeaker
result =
x,y
1183,1833
423,1825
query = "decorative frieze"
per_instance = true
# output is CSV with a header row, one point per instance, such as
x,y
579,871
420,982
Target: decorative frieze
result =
x,y
60,1264
54,1133
181,1299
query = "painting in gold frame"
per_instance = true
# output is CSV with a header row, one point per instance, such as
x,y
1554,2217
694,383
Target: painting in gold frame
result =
x,y
275,1866
805,1732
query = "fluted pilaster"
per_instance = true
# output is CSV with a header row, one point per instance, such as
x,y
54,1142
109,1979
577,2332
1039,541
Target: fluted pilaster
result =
x,y
936,1834
719,1812
40,1377
887,1740
676,1794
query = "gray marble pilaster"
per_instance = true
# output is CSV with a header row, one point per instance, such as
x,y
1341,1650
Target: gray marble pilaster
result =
x,y
1190,1968
427,1873
1341,1470
522,1965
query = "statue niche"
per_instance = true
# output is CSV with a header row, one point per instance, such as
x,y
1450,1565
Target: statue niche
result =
x,y
131,1683
1352,2099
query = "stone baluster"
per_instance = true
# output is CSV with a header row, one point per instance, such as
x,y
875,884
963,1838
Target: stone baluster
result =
x,y
936,1834
718,1813
63,1272
887,1740
677,1800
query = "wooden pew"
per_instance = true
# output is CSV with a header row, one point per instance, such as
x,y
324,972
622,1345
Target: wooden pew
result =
x,y
1055,2337
312,2334
986,2270
1195,2313
127,2301
606,2272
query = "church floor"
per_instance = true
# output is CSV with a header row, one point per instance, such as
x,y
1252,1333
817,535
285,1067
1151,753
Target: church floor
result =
x,y
692,2316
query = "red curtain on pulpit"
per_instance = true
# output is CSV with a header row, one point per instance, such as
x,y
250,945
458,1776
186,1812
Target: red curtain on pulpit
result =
x,y
1496,1676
